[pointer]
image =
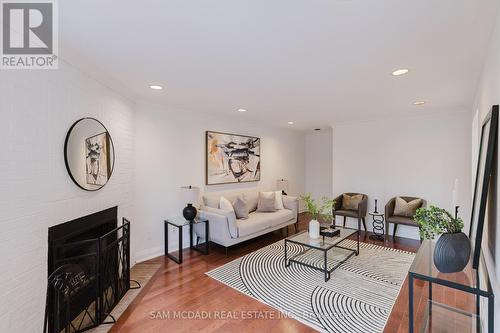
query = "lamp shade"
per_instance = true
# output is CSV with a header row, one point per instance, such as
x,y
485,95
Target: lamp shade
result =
x,y
282,184
190,194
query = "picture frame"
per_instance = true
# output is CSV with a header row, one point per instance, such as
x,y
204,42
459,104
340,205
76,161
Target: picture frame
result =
x,y
231,158
487,147
97,159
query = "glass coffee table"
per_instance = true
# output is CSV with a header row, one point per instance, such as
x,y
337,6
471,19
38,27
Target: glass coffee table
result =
x,y
323,246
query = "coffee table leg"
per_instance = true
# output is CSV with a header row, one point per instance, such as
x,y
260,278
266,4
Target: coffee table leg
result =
x,y
180,245
286,263
326,269
410,303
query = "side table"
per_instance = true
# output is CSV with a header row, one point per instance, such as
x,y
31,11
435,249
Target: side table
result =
x,y
439,317
378,226
179,223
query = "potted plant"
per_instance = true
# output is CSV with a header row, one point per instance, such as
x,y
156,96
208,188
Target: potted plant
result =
x,y
452,250
317,210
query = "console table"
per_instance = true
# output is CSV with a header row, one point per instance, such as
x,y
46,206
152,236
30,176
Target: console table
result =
x,y
439,317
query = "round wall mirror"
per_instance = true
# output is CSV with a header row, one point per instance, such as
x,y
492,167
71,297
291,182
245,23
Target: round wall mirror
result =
x,y
89,154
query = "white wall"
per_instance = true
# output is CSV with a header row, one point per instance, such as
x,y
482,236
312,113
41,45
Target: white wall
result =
x,y
488,94
37,109
417,156
170,151
319,163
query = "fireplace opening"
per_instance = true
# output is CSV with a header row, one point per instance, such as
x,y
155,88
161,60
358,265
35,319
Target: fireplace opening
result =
x,y
88,271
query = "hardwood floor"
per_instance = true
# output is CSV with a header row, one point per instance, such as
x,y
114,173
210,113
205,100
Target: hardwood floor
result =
x,y
186,288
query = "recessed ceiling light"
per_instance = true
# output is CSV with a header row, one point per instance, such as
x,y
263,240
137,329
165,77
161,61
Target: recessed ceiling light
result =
x,y
400,71
242,110
419,103
290,123
155,87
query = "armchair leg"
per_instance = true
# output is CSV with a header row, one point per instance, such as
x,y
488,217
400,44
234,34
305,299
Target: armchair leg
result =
x,y
364,222
344,220
395,228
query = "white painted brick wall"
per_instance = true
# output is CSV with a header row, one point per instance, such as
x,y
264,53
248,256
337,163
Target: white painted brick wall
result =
x,y
37,108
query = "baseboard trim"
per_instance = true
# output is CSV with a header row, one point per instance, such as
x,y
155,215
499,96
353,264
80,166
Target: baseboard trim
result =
x,y
148,254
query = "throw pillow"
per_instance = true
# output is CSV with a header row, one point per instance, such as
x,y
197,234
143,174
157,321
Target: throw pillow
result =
x,y
225,204
240,208
406,209
266,202
351,202
278,202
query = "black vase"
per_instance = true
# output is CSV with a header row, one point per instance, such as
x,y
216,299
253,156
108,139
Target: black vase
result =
x,y
189,212
452,252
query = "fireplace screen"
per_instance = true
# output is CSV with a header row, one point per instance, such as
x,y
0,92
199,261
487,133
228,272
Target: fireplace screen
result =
x,y
88,277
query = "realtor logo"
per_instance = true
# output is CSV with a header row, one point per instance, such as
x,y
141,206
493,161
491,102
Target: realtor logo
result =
x,y
29,34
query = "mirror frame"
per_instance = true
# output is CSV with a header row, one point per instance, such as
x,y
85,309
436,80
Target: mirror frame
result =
x,y
66,153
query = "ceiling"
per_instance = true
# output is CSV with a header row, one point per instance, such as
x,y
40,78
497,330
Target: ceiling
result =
x,y
313,62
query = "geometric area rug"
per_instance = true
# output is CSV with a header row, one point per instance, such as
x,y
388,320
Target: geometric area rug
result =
x,y
358,297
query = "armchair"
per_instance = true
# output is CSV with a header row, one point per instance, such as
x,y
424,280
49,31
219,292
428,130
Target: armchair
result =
x,y
359,213
391,218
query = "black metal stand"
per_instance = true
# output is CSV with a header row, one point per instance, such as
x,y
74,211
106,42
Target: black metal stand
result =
x,y
197,248
378,226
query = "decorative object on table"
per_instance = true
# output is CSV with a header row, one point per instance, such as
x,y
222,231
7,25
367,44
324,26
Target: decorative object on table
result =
x,y
314,229
232,158
378,226
282,185
359,207
329,232
191,194
485,167
392,217
89,154
452,251
316,212
375,210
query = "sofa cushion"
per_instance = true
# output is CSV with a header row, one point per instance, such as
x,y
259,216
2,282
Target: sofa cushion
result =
x,y
252,199
251,225
225,204
240,208
258,221
348,213
401,220
406,209
267,201
351,202
212,199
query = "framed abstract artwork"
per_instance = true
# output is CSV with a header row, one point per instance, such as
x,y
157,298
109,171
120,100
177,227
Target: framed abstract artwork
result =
x,y
97,158
232,158
485,165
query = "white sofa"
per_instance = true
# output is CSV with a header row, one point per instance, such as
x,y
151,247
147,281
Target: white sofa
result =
x,y
225,230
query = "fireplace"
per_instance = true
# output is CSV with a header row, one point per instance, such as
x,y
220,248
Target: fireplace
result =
x,y
88,271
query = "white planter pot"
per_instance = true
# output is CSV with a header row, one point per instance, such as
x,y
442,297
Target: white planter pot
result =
x,y
314,229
